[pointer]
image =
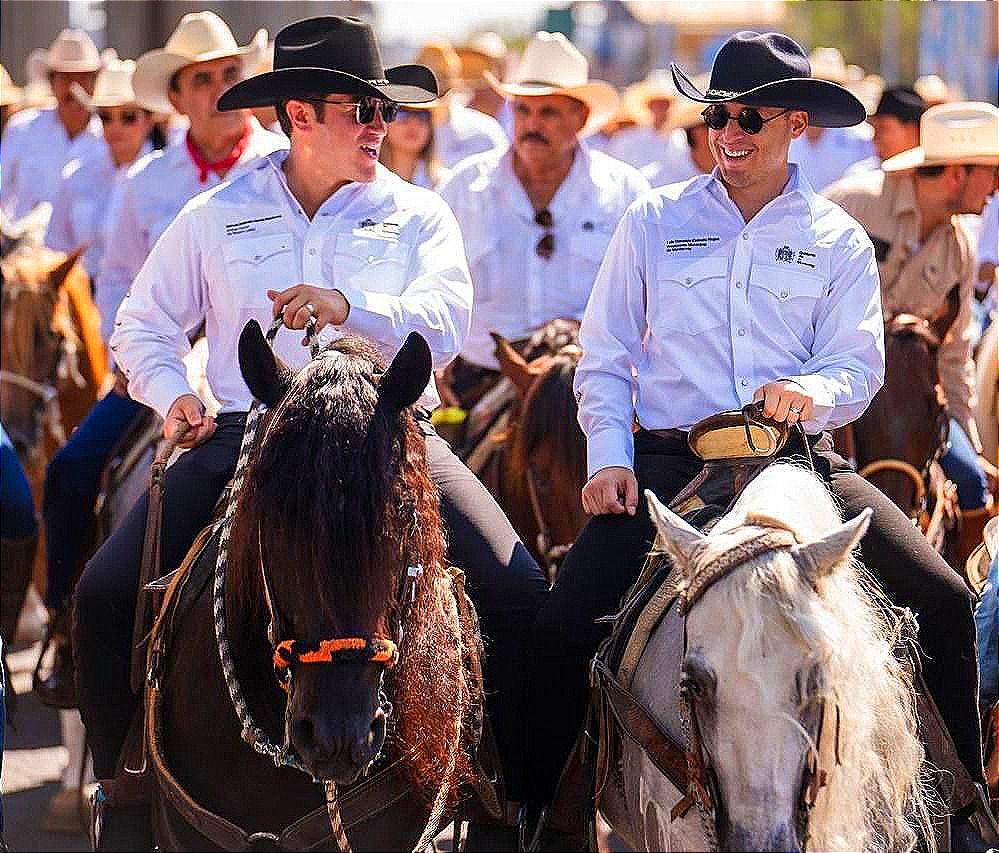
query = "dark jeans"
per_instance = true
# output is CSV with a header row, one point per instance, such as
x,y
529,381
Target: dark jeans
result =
x,y
506,584
610,552
17,511
72,483
960,463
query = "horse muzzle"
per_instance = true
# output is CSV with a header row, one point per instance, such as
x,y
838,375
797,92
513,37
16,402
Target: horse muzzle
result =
x,y
337,750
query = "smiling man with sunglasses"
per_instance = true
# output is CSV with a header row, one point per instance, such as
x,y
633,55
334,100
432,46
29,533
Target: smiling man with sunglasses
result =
x,y
321,230
739,286
537,217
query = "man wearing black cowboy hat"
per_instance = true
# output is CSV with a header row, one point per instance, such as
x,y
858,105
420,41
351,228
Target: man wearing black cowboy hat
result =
x,y
734,287
322,230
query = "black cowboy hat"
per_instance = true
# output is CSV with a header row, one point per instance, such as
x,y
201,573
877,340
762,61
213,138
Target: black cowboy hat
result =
x,y
330,54
772,70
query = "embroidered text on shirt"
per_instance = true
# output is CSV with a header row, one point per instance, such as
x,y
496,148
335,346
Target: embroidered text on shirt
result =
x,y
247,226
686,244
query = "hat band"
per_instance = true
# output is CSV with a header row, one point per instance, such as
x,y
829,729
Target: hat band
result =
x,y
722,93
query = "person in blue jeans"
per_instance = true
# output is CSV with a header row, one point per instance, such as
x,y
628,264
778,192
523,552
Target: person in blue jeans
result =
x,y
18,537
72,485
963,467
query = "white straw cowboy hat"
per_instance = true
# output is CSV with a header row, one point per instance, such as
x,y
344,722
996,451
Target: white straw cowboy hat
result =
x,y
113,88
657,85
553,65
73,51
9,93
828,64
199,37
965,132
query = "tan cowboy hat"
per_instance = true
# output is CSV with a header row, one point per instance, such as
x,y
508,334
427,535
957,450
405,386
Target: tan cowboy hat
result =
x,y
932,89
978,564
9,93
828,64
965,132
553,65
657,85
113,88
73,51
199,37
484,52
441,58
685,113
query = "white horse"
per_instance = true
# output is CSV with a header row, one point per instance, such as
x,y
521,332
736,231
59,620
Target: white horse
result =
x,y
789,664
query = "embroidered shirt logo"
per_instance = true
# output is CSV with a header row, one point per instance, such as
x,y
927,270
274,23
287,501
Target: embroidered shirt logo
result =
x,y
806,259
784,255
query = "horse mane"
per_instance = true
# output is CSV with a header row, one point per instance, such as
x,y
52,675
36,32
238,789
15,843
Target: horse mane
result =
x,y
858,643
87,322
548,407
339,499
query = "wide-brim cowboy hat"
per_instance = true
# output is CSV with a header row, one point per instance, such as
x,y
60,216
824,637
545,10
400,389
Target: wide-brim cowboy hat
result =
x,y
962,133
73,51
772,70
553,65
199,37
657,85
9,93
328,55
113,87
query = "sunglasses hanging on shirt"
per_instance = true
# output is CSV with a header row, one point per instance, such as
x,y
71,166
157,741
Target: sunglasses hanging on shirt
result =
x,y
364,109
546,245
749,118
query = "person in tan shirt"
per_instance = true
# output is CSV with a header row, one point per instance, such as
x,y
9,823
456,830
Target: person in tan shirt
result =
x,y
911,211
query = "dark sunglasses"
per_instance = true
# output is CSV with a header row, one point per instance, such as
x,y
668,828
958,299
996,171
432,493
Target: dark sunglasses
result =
x,y
546,245
127,118
364,109
749,118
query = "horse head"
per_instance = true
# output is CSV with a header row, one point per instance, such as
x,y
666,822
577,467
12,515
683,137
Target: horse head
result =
x,y
337,543
39,339
907,420
779,636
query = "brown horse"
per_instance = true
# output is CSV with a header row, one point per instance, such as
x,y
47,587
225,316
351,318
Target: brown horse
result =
x,y
335,509
898,440
544,460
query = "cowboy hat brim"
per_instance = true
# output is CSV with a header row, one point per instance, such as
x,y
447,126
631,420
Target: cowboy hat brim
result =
x,y
154,69
101,101
827,104
601,98
404,84
10,95
916,157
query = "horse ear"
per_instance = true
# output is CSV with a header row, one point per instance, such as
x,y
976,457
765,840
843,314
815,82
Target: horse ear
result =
x,y
513,366
58,276
408,374
267,377
942,321
675,533
823,556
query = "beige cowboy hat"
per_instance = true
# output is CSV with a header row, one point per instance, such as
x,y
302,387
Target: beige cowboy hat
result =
x,y
113,88
484,52
199,37
72,51
441,58
657,85
966,132
932,89
9,93
686,113
828,64
553,65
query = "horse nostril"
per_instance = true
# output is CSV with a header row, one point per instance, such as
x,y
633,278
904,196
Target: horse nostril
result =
x,y
304,732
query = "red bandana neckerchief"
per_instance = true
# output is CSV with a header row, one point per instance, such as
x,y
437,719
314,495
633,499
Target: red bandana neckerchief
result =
x,y
219,167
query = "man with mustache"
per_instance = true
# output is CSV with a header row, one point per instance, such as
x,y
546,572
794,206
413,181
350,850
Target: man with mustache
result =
x,y
37,144
537,218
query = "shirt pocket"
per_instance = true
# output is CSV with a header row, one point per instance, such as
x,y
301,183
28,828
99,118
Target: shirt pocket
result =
x,y
689,296
255,265
778,295
484,262
369,263
586,253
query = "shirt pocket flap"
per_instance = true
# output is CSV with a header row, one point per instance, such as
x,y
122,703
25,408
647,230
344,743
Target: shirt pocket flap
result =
x,y
256,251
372,250
691,272
255,264
783,283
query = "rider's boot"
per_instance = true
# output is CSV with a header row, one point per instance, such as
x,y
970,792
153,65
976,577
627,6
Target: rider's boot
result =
x,y
58,688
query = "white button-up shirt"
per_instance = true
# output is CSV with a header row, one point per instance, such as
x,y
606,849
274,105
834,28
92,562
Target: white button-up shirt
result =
x,y
36,148
81,205
392,249
836,150
639,146
466,132
156,189
516,291
694,309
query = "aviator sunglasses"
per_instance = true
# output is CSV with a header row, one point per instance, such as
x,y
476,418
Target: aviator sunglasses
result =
x,y
546,245
364,109
749,118
127,118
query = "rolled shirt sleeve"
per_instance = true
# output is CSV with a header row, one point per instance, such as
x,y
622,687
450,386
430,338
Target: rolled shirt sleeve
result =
x,y
847,365
611,333
436,302
167,297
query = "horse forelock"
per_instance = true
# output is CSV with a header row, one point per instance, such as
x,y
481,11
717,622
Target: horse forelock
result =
x,y
341,495
849,639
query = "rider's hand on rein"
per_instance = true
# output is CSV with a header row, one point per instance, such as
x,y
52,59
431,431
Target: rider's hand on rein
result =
x,y
296,304
785,401
611,490
186,423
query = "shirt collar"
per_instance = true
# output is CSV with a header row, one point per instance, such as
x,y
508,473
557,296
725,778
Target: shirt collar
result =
x,y
566,196
797,191
905,194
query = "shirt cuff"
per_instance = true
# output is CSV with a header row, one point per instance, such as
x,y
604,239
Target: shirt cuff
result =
x,y
609,448
823,401
163,391
371,314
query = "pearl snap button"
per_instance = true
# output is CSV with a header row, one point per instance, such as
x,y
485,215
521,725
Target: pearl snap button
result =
x,y
742,333
745,382
689,280
783,294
